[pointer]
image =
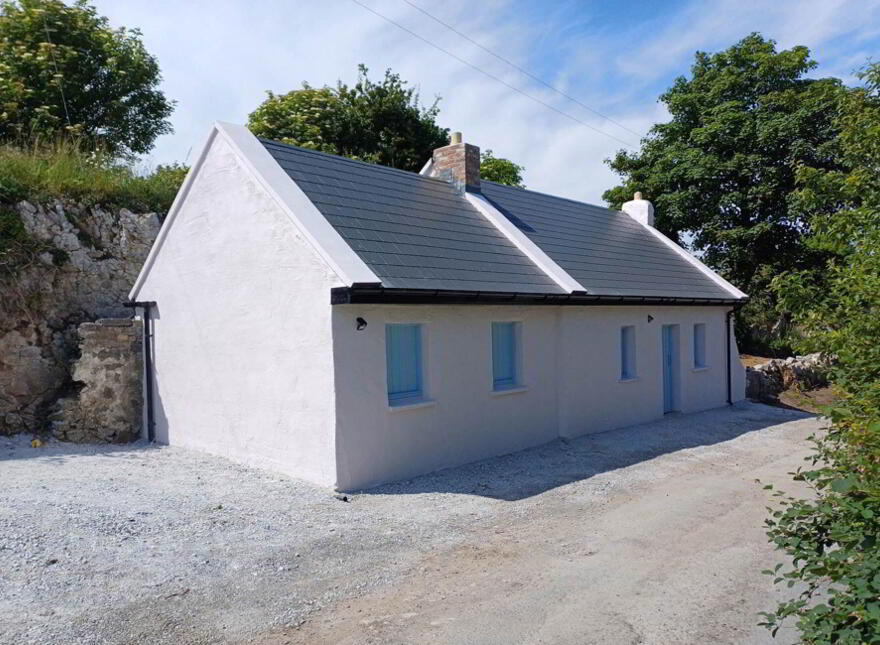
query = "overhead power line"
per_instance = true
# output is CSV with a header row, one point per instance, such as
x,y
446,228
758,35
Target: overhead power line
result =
x,y
520,69
492,76
57,73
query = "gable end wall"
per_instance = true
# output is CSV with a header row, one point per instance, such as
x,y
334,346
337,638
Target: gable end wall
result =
x,y
242,332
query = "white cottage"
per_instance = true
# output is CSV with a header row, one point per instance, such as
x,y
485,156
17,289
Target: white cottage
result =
x,y
352,324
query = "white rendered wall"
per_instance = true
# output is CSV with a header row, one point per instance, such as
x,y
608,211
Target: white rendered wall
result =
x,y
737,370
242,342
467,421
594,398
571,370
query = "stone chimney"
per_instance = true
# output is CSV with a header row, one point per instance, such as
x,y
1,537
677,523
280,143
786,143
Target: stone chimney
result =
x,y
639,209
458,163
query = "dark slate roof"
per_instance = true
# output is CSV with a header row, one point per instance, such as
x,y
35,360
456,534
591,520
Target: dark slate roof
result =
x,y
418,232
414,232
607,252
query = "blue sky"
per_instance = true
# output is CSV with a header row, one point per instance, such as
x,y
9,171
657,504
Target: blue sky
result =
x,y
218,58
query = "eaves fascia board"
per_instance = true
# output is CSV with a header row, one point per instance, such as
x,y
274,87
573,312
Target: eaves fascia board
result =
x,y
380,295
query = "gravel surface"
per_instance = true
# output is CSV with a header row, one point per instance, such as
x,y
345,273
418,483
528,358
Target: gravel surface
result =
x,y
650,534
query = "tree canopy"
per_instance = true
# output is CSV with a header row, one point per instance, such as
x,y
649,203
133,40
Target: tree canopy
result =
x,y
380,122
502,171
64,71
721,172
836,305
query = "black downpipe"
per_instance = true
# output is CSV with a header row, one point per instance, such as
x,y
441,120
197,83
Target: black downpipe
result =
x,y
148,365
727,320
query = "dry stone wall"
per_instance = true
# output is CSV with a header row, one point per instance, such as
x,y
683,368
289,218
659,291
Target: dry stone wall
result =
x,y
90,260
108,403
766,381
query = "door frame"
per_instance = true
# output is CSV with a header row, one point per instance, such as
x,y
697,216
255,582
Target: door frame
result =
x,y
670,367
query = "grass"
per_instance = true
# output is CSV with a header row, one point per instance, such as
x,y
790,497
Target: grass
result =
x,y
65,171
813,401
750,360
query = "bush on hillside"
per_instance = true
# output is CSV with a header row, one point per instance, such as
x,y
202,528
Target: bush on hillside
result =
x,y
67,172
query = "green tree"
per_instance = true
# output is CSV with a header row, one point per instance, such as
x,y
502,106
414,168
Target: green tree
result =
x,y
382,122
502,171
833,538
64,71
721,172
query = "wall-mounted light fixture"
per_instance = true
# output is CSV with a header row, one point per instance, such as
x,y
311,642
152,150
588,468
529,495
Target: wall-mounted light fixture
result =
x,y
361,323
650,318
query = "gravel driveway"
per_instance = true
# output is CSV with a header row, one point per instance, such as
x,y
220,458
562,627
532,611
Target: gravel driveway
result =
x,y
650,534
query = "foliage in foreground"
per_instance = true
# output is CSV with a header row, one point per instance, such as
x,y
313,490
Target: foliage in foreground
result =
x,y
722,170
66,172
833,539
65,72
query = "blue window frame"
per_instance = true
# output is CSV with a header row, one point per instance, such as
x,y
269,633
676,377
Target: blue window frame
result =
x,y
505,355
403,358
700,345
627,352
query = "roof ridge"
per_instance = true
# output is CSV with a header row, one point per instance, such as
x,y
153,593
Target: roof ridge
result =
x,y
538,192
392,170
369,164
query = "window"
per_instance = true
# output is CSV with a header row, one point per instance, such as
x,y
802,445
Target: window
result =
x,y
403,358
700,345
627,352
505,355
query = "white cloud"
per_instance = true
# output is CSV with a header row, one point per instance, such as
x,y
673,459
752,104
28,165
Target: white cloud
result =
x,y
218,58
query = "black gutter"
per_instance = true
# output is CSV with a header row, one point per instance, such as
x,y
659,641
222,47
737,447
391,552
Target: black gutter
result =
x,y
356,295
148,365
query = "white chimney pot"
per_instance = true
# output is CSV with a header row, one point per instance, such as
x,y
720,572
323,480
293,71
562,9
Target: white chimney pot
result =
x,y
640,210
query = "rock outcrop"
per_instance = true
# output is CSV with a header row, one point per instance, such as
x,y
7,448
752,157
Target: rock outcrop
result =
x,y
765,382
85,262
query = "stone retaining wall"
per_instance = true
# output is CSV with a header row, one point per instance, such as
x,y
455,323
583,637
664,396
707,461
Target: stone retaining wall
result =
x,y
766,381
91,257
108,405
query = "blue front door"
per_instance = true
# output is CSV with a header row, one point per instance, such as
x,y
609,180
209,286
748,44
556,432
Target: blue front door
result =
x,y
670,368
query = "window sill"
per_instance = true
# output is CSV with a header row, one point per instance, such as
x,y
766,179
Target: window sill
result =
x,y
700,369
516,389
411,405
631,379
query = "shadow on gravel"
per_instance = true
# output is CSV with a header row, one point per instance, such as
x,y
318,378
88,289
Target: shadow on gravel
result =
x,y
536,470
19,447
